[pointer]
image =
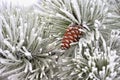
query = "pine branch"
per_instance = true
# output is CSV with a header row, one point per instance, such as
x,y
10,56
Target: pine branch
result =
x,y
94,59
24,46
74,11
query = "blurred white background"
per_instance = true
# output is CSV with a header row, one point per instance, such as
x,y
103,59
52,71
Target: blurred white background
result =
x,y
17,3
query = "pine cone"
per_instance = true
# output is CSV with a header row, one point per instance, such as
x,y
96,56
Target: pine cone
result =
x,y
71,35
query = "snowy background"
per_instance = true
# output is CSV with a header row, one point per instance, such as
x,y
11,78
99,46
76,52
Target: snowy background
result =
x,y
18,3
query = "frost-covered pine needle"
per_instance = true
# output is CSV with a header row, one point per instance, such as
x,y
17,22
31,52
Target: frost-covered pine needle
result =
x,y
94,60
24,51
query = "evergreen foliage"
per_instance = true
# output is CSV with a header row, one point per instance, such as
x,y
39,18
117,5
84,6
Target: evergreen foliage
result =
x,y
30,40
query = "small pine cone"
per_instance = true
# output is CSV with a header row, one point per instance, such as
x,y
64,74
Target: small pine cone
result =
x,y
72,34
